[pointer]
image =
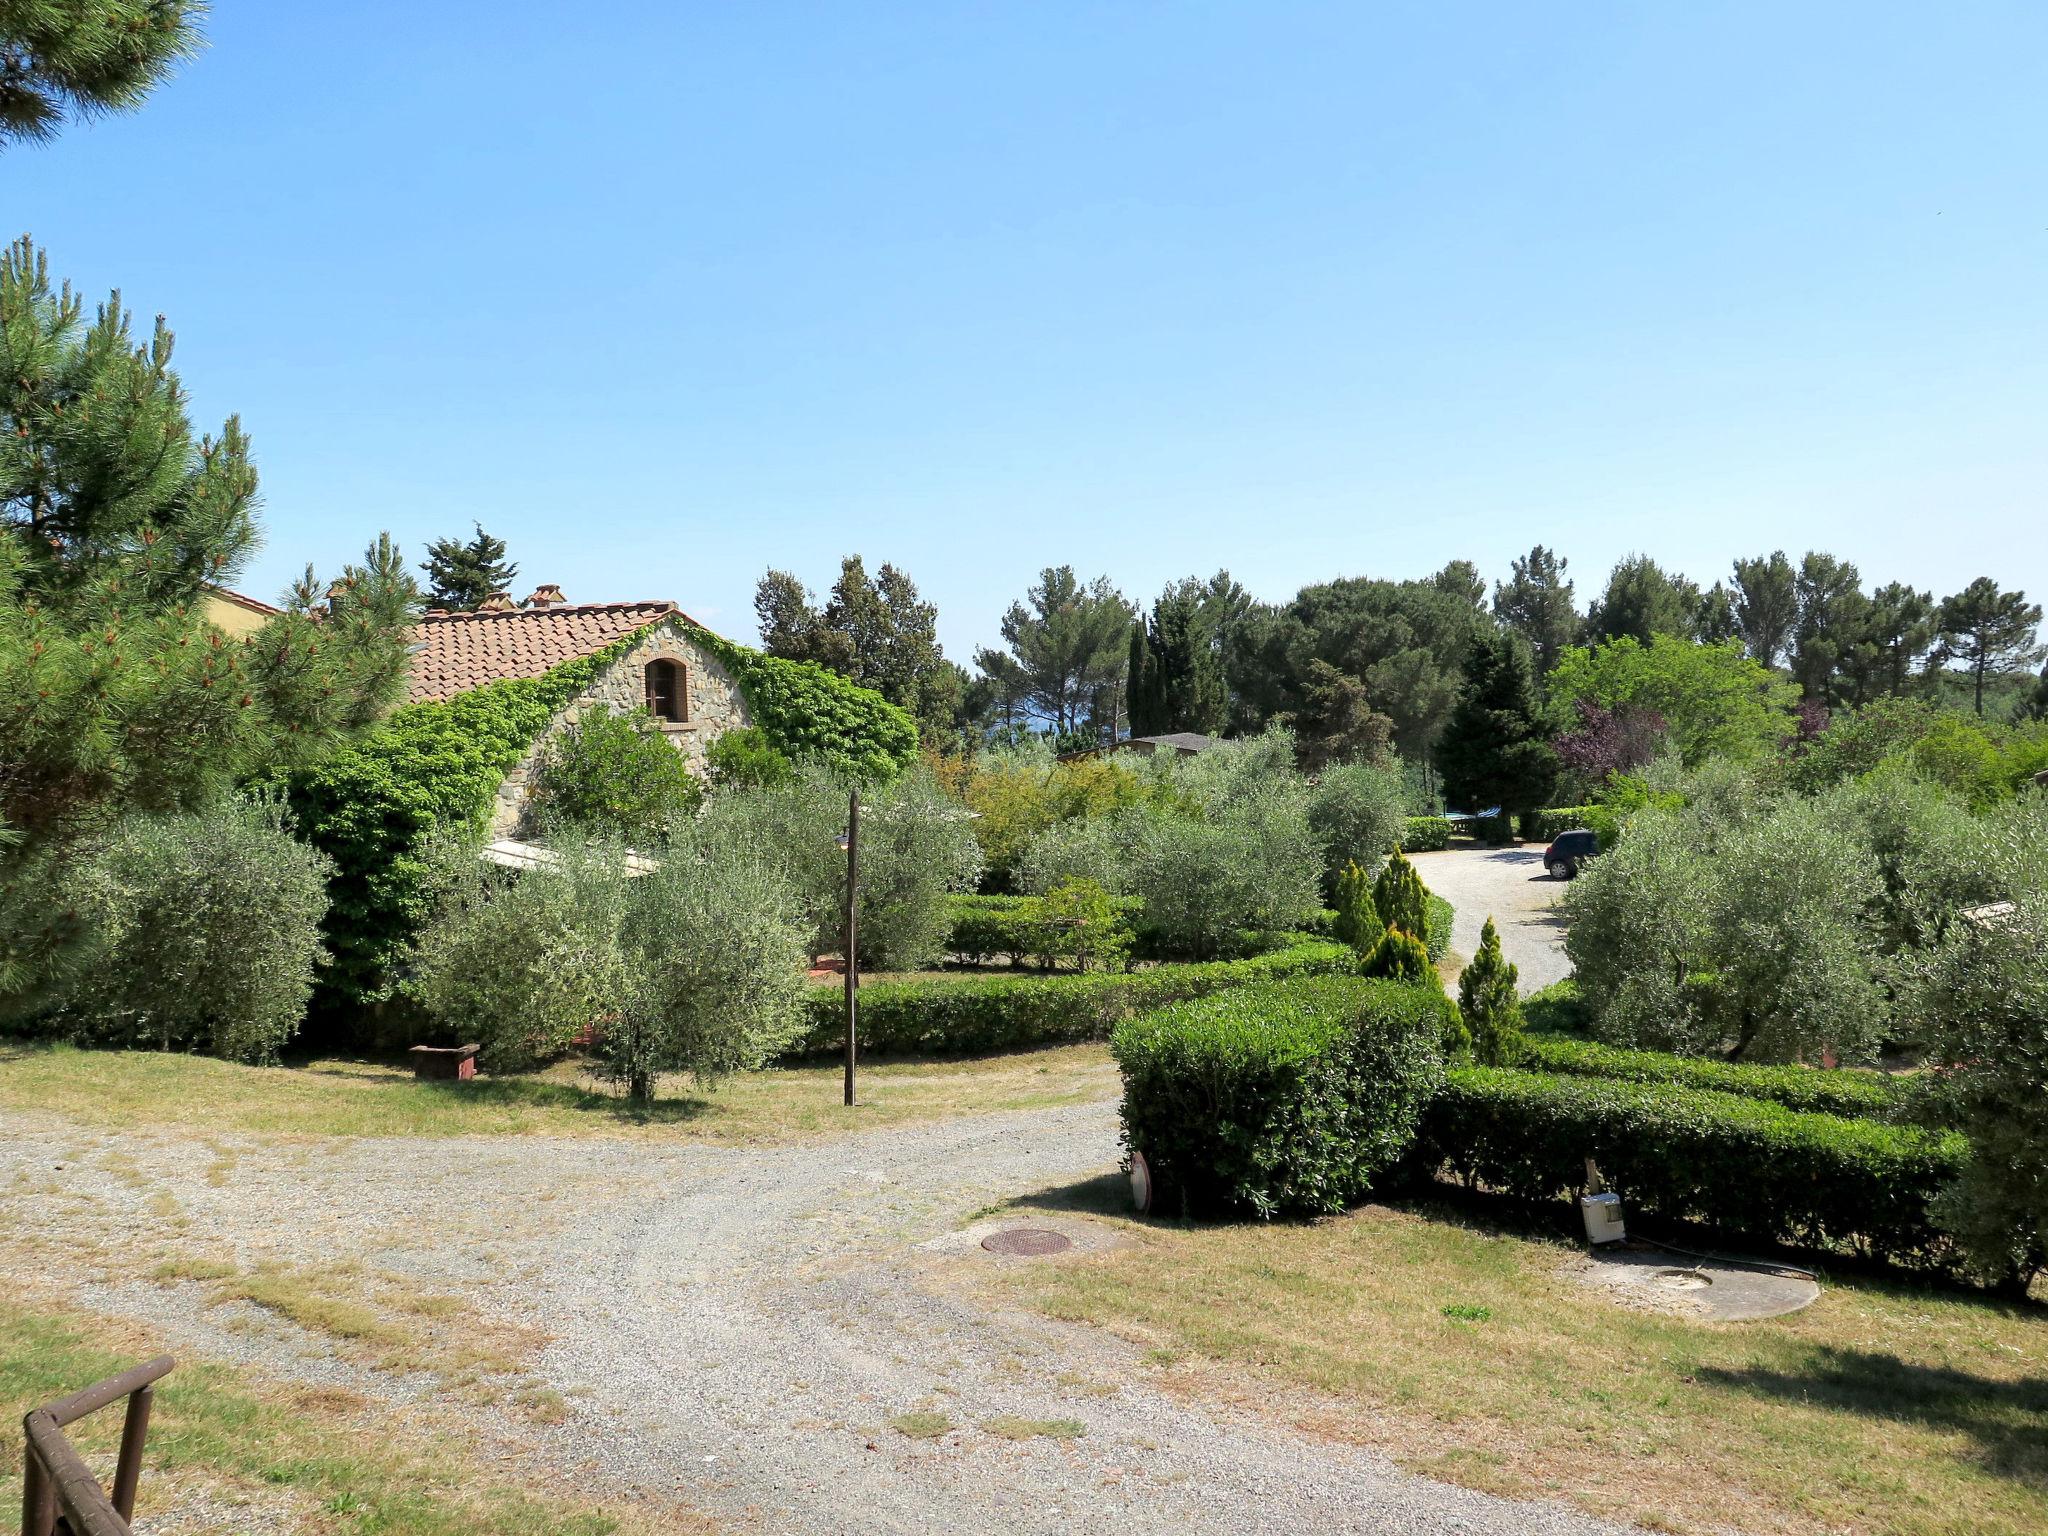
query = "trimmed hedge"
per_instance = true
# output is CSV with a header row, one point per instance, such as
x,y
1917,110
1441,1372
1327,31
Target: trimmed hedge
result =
x,y
987,926
1279,1100
1846,1092
1543,826
1745,1167
968,1015
1425,834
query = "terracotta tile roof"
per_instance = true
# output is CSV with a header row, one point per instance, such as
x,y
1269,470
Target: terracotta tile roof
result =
x,y
460,651
243,600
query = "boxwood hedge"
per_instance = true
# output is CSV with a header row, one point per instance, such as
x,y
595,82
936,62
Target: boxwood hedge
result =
x,y
1742,1166
1847,1092
1288,1099
966,1015
987,927
1425,834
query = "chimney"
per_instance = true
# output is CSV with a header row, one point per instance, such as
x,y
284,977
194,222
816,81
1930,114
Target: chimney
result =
x,y
497,602
546,595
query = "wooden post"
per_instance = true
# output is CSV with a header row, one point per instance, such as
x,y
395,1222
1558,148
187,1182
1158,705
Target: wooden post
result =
x,y
128,1468
852,935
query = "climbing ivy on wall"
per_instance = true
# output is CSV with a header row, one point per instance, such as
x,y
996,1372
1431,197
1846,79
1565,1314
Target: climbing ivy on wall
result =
x,y
809,712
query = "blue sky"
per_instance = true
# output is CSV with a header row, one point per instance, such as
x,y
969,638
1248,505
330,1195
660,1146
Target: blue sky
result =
x,y
667,294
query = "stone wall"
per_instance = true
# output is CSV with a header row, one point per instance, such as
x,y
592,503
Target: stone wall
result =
x,y
715,706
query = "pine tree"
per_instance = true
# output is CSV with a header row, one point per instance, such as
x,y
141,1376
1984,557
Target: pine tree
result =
x,y
1400,897
1496,749
1488,1002
113,523
1537,605
1766,605
1358,920
460,576
85,58
1991,633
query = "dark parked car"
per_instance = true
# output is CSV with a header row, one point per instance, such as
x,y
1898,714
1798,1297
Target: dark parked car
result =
x,y
1571,849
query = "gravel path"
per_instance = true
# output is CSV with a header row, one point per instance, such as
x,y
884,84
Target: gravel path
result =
x,y
1509,885
736,1327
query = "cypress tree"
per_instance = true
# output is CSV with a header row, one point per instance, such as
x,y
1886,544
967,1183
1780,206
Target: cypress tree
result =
x,y
1487,1000
1358,920
1400,897
1495,749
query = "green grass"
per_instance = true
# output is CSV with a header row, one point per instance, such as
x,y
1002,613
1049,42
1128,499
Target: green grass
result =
x,y
1007,1426
1471,1354
921,1426
335,1097
217,1431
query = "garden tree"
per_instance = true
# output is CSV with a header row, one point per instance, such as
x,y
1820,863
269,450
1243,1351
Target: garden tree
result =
x,y
1713,619
1832,613
1402,643
114,522
1358,920
1766,605
1536,603
1491,1008
1607,742
1400,897
85,58
1177,681
1642,600
1068,645
1987,633
1358,811
877,632
694,967
1981,999
461,574
1335,722
1894,632
1495,751
1713,699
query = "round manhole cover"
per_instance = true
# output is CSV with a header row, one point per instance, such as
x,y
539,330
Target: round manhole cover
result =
x,y
1027,1242
1681,1280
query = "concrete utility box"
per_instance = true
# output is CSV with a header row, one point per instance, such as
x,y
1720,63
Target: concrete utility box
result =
x,y
1602,1214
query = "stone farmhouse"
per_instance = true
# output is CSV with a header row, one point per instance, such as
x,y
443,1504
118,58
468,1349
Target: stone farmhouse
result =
x,y
691,695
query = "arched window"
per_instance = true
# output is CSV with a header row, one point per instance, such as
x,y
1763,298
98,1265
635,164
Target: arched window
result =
x,y
667,698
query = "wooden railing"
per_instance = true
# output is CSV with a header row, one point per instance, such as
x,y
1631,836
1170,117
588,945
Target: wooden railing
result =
x,y
59,1494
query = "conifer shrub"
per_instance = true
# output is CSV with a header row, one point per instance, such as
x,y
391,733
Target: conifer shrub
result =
x,y
1489,1005
1356,920
1401,897
1400,956
1280,1100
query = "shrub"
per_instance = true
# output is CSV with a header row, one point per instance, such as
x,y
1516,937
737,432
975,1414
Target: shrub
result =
x,y
1019,791
1438,915
1557,1010
202,933
1401,897
694,967
1399,956
1488,1002
1743,1167
1847,1092
610,775
1543,826
1357,919
1082,922
1425,834
746,759
1279,1100
970,1015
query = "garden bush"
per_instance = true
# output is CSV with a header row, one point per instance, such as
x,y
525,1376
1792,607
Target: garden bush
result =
x,y
1543,826
746,759
1425,834
613,775
1017,927
1849,1092
970,1015
1438,915
1743,1167
1288,1099
200,932
1357,812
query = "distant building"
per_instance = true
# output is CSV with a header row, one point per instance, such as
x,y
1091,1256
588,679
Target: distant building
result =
x,y
1180,743
236,613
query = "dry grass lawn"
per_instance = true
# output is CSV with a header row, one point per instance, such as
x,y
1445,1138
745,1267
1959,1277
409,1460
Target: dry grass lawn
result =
x,y
359,1098
1471,1356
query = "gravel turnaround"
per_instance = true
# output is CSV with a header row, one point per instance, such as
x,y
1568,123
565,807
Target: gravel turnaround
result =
x,y
735,1328
1508,885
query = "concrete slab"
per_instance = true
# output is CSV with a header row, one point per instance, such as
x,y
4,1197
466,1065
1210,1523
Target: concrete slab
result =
x,y
1652,1280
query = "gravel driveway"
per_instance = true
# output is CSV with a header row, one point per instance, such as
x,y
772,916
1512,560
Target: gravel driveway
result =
x,y
1509,885
734,1328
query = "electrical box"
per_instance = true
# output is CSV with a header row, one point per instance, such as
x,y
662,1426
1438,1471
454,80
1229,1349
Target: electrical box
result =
x,y
1602,1215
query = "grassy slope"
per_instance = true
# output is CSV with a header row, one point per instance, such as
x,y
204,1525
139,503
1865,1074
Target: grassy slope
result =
x,y
1881,1408
353,1098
